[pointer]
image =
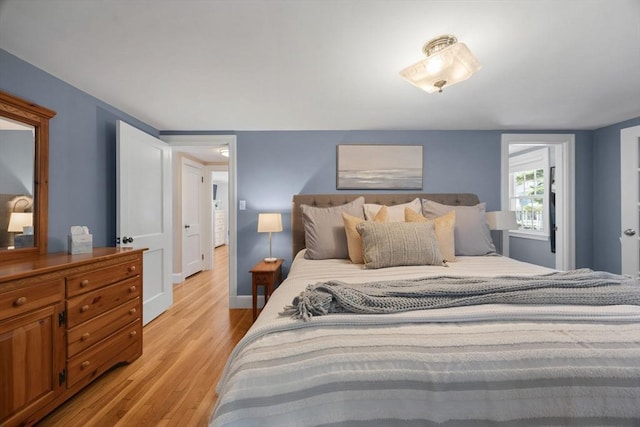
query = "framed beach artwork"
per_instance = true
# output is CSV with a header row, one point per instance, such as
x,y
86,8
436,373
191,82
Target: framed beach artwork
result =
x,y
379,167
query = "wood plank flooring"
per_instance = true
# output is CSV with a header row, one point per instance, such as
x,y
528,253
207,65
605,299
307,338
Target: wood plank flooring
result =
x,y
173,382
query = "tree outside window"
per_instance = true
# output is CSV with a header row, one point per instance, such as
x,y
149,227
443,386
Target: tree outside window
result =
x,y
529,192
527,199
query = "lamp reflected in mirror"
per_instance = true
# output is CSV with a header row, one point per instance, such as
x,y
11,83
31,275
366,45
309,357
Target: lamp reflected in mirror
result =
x,y
21,223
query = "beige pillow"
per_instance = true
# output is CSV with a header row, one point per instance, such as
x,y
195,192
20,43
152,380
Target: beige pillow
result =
x,y
445,226
396,212
354,241
399,243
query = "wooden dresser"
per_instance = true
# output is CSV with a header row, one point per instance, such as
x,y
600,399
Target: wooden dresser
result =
x,y
65,320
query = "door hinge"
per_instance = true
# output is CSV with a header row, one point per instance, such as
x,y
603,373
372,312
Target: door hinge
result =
x,y
203,257
62,318
202,179
62,377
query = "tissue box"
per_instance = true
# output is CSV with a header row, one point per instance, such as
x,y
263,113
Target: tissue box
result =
x,y
80,244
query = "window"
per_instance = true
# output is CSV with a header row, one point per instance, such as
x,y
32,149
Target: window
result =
x,y
528,191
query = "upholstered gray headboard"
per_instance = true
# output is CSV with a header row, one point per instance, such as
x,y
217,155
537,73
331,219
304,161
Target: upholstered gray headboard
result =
x,y
326,200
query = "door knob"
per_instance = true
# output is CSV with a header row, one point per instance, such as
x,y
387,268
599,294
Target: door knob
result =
x,y
126,240
630,232
187,226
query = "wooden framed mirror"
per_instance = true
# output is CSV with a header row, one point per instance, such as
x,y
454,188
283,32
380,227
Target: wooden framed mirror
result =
x,y
24,175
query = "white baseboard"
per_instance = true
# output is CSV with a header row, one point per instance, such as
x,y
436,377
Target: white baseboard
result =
x,y
177,278
244,301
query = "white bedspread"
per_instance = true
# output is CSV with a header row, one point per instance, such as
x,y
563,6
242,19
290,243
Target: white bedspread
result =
x,y
552,364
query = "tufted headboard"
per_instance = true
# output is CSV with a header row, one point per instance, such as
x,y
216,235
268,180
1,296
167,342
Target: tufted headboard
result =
x,y
326,200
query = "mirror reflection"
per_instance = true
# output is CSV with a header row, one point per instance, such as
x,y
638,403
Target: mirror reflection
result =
x,y
17,162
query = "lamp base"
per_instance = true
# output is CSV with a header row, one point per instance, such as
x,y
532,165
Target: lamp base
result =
x,y
270,259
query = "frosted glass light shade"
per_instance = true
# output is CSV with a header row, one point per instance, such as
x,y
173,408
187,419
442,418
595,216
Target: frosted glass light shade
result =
x,y
19,220
502,220
269,223
445,67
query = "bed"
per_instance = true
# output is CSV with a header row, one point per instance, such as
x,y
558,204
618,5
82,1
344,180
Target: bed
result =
x,y
472,365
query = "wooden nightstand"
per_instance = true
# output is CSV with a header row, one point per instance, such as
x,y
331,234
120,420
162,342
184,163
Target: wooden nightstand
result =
x,y
267,274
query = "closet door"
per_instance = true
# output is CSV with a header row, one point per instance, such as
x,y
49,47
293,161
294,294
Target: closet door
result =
x,y
630,199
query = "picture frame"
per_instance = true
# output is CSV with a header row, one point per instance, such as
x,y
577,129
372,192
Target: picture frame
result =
x,y
379,167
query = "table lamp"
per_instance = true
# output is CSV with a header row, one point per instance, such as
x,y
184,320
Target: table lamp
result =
x,y
269,223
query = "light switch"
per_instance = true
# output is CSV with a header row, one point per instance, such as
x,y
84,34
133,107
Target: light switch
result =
x,y
242,205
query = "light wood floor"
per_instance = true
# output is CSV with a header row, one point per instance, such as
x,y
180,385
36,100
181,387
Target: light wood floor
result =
x,y
173,382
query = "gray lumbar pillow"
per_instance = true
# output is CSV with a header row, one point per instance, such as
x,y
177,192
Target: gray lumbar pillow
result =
x,y
324,232
399,243
471,230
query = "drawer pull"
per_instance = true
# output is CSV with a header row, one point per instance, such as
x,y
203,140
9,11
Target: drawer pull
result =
x,y
132,311
20,301
85,336
84,283
84,308
132,289
85,364
132,269
132,334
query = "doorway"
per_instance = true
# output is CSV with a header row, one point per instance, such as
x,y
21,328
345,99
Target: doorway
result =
x,y
561,149
202,147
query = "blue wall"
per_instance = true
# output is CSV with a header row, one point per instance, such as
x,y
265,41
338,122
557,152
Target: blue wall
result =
x,y
607,225
82,162
272,166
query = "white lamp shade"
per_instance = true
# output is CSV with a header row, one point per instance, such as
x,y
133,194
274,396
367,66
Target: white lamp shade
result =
x,y
19,220
452,65
502,220
269,223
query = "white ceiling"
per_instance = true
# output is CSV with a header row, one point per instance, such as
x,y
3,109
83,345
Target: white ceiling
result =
x,y
333,64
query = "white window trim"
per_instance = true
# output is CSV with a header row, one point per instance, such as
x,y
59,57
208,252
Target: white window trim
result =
x,y
536,159
564,147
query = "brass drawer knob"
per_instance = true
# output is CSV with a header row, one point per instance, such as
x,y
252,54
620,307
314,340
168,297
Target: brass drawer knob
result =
x,y
85,364
132,334
132,289
132,311
84,283
85,336
20,301
132,269
84,308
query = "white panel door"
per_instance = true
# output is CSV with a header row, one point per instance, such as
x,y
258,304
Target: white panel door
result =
x,y
630,199
192,184
144,211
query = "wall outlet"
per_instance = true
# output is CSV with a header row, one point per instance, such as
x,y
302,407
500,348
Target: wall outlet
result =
x,y
242,205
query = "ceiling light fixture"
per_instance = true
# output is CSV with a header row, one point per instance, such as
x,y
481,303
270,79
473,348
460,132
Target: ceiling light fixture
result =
x,y
447,62
224,151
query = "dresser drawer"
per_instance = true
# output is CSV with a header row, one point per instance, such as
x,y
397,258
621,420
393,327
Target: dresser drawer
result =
x,y
91,280
92,331
30,297
90,305
91,362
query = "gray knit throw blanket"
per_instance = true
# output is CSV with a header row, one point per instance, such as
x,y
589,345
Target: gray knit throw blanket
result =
x,y
577,287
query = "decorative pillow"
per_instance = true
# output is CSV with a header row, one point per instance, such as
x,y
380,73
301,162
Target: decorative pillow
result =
x,y
444,225
354,241
399,243
471,231
324,233
396,212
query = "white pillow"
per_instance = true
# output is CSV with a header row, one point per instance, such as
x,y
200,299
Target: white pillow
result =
x,y
395,213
